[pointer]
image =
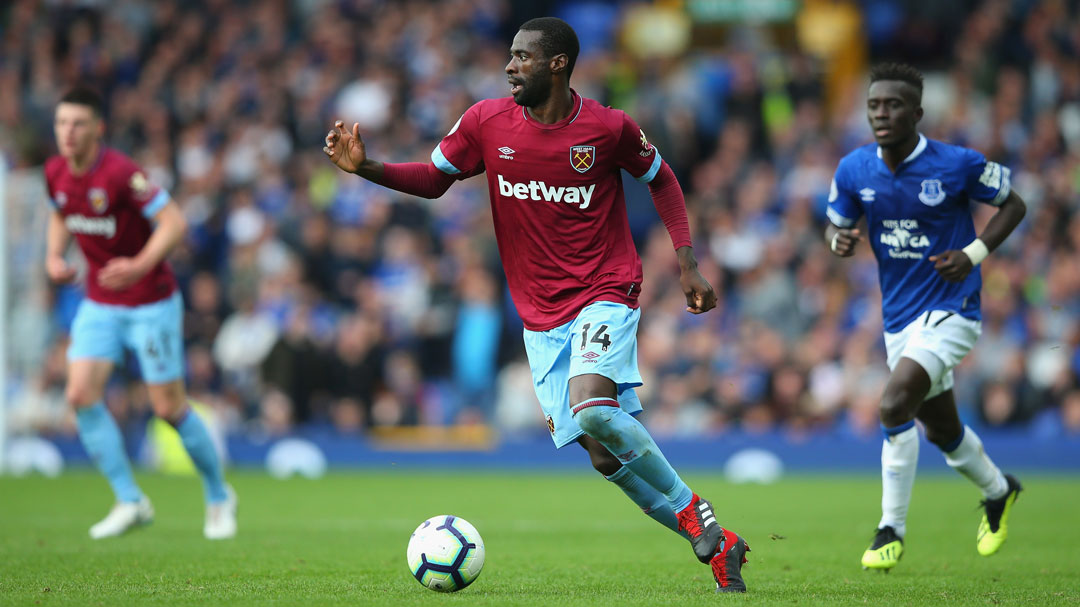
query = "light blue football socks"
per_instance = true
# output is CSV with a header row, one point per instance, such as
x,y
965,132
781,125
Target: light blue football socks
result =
x,y
628,440
102,440
200,447
651,501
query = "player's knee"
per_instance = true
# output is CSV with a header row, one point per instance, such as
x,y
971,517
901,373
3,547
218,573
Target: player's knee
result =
x,y
79,396
169,405
898,405
596,422
169,411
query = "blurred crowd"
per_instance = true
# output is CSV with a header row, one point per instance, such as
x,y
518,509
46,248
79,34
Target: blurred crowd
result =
x,y
314,297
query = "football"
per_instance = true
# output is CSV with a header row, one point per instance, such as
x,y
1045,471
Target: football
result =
x,y
446,553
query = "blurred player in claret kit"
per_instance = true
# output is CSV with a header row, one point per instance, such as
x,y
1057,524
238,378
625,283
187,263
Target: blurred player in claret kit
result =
x,y
553,162
125,226
916,193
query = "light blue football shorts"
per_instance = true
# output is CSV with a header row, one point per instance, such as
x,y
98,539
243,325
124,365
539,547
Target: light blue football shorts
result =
x,y
602,340
153,331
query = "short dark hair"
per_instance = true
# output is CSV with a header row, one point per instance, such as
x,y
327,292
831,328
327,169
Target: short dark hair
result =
x,y
557,37
84,95
898,71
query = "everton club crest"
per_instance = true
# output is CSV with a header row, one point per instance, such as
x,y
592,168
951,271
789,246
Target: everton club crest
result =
x,y
582,157
98,200
932,193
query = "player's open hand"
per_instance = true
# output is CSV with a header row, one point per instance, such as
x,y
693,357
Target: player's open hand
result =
x,y
345,149
59,271
953,266
843,243
120,273
700,296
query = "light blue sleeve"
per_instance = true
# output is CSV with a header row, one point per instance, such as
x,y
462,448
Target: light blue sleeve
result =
x,y
441,163
156,203
654,168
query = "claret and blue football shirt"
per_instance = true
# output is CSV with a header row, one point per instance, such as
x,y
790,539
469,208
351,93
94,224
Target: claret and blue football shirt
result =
x,y
557,201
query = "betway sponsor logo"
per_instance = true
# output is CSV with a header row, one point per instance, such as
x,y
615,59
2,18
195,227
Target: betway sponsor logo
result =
x,y
96,226
539,190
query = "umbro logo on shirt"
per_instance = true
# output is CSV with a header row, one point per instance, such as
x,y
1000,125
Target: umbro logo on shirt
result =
x,y
867,194
506,153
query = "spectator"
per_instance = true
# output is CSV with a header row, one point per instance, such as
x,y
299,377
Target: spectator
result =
x,y
315,297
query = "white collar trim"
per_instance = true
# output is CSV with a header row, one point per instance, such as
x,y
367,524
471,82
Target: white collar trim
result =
x,y
919,148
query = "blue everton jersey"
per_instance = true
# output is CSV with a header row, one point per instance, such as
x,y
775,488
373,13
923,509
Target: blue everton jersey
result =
x,y
921,210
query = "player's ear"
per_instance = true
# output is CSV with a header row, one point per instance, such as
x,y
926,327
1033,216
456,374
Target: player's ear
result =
x,y
918,113
558,63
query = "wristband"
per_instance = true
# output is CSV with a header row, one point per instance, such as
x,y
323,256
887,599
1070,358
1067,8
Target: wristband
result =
x,y
976,251
832,245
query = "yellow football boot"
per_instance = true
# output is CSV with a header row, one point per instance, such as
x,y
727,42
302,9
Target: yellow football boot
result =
x,y
885,552
994,526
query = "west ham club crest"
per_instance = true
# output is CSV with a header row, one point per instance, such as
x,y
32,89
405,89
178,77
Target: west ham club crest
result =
x,y
99,201
582,157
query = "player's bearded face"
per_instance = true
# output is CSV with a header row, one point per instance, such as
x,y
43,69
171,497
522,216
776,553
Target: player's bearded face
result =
x,y
535,87
529,70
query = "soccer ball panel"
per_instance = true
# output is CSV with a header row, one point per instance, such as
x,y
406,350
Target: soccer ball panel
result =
x,y
445,553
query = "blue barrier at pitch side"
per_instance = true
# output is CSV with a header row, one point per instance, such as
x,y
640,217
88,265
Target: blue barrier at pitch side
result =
x,y
814,452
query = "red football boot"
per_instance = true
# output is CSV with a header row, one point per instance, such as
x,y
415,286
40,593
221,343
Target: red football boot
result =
x,y
722,549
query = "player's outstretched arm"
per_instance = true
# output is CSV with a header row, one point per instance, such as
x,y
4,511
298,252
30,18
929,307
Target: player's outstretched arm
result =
x,y
56,243
842,241
954,265
122,272
347,151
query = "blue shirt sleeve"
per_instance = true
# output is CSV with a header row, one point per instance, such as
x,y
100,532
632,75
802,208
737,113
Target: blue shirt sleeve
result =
x,y
985,181
844,208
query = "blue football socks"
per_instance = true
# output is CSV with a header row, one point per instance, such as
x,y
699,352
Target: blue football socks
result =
x,y
200,447
627,439
102,440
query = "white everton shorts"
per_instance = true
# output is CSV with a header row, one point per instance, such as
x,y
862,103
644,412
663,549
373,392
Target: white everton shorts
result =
x,y
938,341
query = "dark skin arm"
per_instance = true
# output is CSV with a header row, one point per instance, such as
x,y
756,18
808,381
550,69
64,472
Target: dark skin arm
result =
x,y
955,265
700,296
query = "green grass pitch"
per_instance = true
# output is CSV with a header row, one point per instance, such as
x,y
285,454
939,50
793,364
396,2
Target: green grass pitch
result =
x,y
552,539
